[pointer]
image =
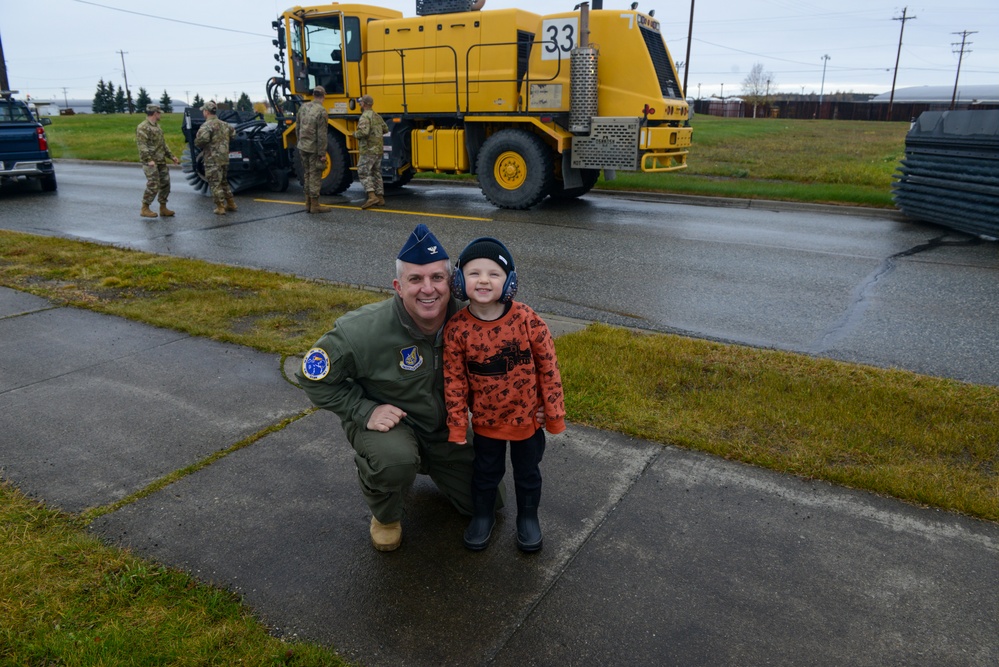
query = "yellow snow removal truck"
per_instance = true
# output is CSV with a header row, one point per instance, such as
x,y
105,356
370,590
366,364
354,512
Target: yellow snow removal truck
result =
x,y
534,106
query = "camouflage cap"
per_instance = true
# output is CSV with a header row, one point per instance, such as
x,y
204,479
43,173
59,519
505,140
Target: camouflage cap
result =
x,y
211,106
319,91
152,108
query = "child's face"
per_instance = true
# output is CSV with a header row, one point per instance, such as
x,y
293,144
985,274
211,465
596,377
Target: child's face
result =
x,y
484,280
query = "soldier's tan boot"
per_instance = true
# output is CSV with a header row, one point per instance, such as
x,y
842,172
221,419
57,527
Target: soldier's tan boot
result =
x,y
381,200
372,200
230,204
165,212
219,209
316,206
309,205
147,212
386,536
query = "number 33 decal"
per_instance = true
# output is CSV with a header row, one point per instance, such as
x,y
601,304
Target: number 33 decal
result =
x,y
558,38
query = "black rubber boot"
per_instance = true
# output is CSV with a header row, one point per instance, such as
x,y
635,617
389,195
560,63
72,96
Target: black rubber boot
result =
x,y
480,528
529,538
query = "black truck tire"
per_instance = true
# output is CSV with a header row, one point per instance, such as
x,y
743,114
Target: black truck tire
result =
x,y
515,169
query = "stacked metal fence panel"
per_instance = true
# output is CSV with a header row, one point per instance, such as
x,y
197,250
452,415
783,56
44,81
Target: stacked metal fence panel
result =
x,y
950,173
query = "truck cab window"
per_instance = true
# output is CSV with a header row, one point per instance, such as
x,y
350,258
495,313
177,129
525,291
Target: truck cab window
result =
x,y
323,52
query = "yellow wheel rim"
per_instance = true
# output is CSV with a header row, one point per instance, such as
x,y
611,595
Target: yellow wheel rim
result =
x,y
510,170
328,166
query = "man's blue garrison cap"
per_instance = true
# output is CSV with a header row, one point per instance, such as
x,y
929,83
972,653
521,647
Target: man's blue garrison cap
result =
x,y
422,247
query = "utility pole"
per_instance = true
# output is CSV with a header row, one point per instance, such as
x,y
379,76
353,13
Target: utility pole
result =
x,y
964,36
128,93
64,99
903,19
822,88
686,63
4,84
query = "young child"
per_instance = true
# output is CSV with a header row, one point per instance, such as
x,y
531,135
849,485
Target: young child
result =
x,y
499,362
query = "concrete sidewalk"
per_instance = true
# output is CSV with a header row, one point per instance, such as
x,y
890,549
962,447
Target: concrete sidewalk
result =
x,y
653,555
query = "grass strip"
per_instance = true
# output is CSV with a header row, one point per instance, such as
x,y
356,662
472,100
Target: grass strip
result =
x,y
267,311
68,599
930,441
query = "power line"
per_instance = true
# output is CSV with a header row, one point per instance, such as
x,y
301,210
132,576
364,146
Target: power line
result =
x,y
164,18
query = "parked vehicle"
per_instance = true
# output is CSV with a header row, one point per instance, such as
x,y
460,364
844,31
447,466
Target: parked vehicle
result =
x,y
24,148
535,106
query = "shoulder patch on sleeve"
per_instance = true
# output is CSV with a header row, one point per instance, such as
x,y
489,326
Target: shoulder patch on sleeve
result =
x,y
316,364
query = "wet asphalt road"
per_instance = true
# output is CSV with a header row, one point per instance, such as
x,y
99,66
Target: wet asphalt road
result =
x,y
865,287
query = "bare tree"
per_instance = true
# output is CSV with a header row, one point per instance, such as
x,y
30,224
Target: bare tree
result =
x,y
757,85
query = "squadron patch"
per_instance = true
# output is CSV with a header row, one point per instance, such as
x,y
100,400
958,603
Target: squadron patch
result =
x,y
411,359
316,364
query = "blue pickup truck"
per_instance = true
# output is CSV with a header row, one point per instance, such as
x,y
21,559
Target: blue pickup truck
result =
x,y
24,148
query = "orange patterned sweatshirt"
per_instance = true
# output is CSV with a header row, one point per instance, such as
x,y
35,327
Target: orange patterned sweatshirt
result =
x,y
503,371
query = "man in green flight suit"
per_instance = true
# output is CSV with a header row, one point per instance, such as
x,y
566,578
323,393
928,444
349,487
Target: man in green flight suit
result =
x,y
153,154
380,371
213,139
370,146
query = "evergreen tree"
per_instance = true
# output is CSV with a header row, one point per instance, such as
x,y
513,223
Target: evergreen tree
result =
x,y
166,103
198,101
120,104
244,103
109,93
98,103
142,100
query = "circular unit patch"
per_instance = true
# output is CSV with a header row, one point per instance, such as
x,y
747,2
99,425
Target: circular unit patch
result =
x,y
316,364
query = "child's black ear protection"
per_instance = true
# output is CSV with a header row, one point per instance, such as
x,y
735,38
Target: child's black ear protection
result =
x,y
458,277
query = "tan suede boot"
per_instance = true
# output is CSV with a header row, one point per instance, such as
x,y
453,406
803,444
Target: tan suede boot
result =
x,y
219,209
165,212
147,212
316,206
381,200
372,200
230,204
309,206
386,536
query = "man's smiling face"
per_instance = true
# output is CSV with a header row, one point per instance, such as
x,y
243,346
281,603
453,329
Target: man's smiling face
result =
x,y
425,290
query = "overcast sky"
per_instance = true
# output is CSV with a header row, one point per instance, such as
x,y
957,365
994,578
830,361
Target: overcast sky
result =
x,y
58,49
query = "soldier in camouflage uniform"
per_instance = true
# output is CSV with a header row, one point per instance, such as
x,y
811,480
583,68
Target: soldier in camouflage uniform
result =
x,y
153,154
213,139
312,124
370,128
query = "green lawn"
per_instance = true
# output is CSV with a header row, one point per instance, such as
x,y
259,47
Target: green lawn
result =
x,y
825,161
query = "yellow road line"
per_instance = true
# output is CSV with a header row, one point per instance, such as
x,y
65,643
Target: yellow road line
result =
x,y
383,210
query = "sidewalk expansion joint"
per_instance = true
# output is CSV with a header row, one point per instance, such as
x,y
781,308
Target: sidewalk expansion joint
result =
x,y
88,516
